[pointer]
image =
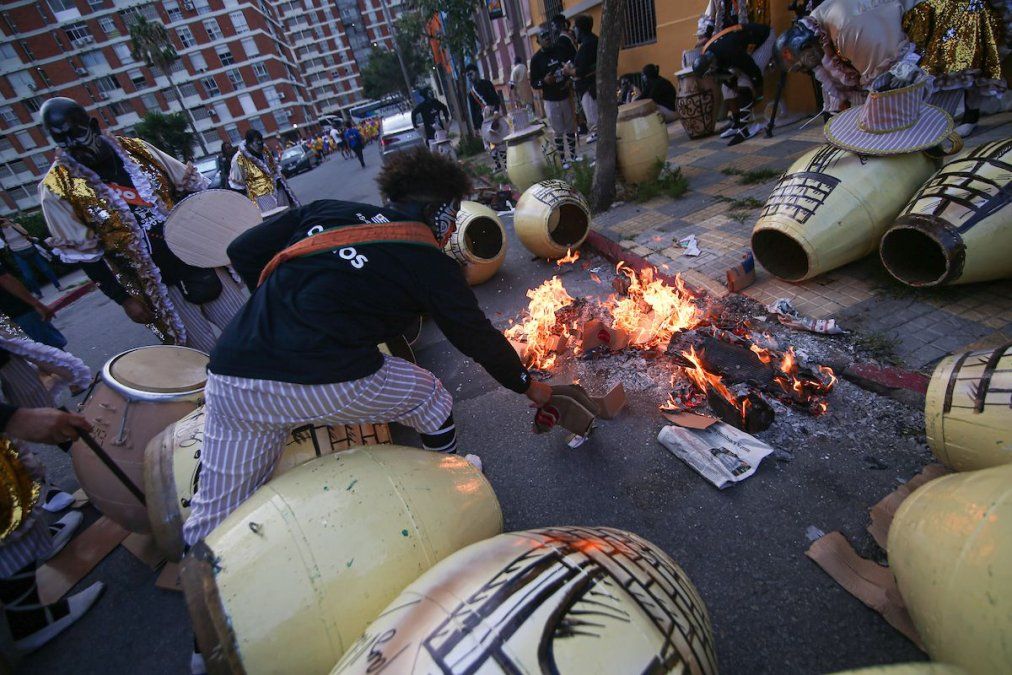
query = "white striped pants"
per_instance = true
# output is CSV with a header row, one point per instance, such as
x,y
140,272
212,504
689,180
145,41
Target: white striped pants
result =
x,y
248,421
200,321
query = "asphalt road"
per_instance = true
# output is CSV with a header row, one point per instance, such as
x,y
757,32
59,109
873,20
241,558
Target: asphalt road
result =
x,y
773,611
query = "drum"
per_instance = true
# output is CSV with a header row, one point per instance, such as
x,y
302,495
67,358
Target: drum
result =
x,y
829,209
478,243
558,600
642,141
201,226
139,393
950,549
290,579
958,227
494,129
968,409
920,668
527,161
551,219
695,105
172,467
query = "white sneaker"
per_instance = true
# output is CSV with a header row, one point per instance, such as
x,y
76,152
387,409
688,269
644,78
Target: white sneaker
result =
x,y
729,132
79,604
64,529
566,166
57,500
197,666
475,461
965,129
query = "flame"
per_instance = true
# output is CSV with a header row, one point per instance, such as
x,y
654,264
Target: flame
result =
x,y
570,257
706,380
652,311
763,354
539,329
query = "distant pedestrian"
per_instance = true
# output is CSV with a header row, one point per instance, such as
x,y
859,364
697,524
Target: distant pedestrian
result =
x,y
584,72
257,172
486,113
28,312
23,247
353,138
225,164
431,113
521,94
548,76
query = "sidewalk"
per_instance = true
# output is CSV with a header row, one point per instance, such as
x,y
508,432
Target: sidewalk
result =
x,y
912,327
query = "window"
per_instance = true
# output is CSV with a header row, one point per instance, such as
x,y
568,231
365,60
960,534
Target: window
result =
x,y
640,23
198,62
25,140
107,83
108,26
249,46
239,21
118,108
123,53
260,70
233,135
62,5
225,55
96,4
7,51
187,89
273,99
33,104
22,82
8,116
18,167
150,102
211,136
5,144
137,77
77,31
258,124
185,37
210,86
281,117
149,12
235,77
95,59
222,111
212,28
200,113
248,107
202,6
172,10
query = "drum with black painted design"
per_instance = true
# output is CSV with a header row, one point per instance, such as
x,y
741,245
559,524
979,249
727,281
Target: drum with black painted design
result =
x,y
478,243
587,600
696,105
552,218
968,409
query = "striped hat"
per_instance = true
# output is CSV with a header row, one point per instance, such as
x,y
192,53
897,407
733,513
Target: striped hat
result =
x,y
892,122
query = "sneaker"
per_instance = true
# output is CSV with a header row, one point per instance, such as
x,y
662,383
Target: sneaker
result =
x,y
965,129
745,133
57,500
475,461
79,603
729,131
566,166
591,138
63,531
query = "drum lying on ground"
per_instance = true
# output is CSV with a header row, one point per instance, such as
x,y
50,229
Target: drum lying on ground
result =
x,y
138,394
551,219
642,141
950,549
968,409
479,242
556,600
291,578
958,228
830,209
172,467
526,161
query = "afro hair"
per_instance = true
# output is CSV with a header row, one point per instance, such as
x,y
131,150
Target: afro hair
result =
x,y
421,175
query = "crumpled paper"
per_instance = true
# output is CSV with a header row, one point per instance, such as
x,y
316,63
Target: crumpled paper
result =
x,y
792,318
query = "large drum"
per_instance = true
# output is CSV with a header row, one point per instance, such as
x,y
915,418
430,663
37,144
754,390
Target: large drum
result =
x,y
478,243
968,409
201,226
551,219
290,579
642,141
950,549
695,105
138,394
558,600
958,228
830,209
172,467
527,160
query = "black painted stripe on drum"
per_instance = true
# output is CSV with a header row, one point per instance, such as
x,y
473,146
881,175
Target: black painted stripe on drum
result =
x,y
951,386
316,441
985,379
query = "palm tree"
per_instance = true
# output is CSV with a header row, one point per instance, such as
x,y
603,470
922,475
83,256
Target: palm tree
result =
x,y
149,42
610,41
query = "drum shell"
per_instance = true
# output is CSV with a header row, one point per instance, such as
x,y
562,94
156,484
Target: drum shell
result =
x,y
551,218
477,269
829,209
920,668
526,162
950,549
963,216
313,556
642,145
960,436
696,106
507,595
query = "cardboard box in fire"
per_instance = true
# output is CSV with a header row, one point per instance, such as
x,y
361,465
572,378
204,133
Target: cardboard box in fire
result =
x,y
719,453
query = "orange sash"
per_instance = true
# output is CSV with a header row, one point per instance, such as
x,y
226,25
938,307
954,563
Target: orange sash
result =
x,y
407,232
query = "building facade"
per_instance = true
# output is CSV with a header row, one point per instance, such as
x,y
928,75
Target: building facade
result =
x,y
276,67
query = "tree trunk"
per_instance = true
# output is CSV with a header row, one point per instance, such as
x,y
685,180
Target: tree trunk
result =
x,y
610,41
186,111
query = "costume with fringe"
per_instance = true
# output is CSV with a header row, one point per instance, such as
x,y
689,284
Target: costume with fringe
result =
x,y
261,179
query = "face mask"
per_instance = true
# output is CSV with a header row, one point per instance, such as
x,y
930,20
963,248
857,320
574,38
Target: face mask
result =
x,y
83,143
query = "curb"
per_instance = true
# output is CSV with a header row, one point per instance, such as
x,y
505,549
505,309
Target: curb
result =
x,y
879,379
73,296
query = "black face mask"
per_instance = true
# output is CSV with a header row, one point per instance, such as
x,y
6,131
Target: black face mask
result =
x,y
71,129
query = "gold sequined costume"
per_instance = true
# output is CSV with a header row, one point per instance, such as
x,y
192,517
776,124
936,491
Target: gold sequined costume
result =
x,y
19,492
262,181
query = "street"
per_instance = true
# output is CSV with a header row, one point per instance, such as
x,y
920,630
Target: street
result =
x,y
772,609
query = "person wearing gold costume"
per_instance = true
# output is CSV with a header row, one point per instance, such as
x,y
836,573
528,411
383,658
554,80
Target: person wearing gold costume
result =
x,y
105,200
256,172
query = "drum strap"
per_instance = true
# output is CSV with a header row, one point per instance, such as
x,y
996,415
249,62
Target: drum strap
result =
x,y
727,31
402,232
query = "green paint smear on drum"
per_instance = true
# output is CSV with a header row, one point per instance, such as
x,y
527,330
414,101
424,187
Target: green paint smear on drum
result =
x,y
404,533
352,484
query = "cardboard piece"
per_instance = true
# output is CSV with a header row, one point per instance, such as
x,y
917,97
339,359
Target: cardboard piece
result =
x,y
883,512
596,333
169,579
742,275
80,499
143,547
573,409
78,558
867,581
689,420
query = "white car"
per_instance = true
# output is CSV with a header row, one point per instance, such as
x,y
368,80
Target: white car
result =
x,y
398,134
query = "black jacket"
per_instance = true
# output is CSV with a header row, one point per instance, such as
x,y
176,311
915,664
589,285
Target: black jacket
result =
x,y
481,94
317,319
547,61
660,91
431,111
586,65
731,51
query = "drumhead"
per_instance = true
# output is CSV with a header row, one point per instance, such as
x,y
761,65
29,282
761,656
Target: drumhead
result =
x,y
157,371
201,227
523,134
636,109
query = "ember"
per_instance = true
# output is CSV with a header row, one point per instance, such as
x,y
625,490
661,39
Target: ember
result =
x,y
568,259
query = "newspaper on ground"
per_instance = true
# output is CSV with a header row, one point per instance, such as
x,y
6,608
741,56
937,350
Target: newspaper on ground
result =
x,y
792,318
720,453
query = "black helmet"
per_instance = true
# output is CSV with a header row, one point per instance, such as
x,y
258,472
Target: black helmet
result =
x,y
703,63
791,43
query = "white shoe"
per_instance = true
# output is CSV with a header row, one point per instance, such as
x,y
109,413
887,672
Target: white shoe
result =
x,y
79,604
475,461
729,132
566,166
965,129
57,500
197,666
591,138
65,528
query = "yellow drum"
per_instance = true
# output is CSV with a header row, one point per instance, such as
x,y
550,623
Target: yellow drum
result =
x,y
558,600
832,208
968,409
291,578
551,219
950,548
527,161
958,228
642,141
139,393
172,467
479,243
923,668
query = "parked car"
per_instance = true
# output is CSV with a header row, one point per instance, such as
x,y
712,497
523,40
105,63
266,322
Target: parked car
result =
x,y
297,159
208,167
398,134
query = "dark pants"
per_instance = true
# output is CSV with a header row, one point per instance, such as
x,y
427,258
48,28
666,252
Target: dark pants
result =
x,y
358,153
25,259
41,331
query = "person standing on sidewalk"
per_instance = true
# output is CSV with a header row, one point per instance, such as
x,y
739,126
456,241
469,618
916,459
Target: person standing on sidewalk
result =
x,y
548,76
521,94
583,70
23,247
353,137
27,311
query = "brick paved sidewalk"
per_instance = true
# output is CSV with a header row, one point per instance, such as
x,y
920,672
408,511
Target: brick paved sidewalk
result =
x,y
914,327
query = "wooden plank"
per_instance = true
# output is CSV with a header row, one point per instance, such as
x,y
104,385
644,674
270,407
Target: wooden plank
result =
x,y
78,559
